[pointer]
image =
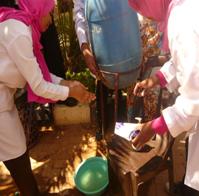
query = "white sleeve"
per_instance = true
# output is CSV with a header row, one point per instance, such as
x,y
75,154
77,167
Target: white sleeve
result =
x,y
169,72
55,79
184,114
81,26
21,52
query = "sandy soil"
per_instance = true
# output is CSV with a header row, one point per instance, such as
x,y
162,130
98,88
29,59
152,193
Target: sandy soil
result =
x,y
60,150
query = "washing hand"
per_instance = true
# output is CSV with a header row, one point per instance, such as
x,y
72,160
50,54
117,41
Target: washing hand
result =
x,y
78,91
142,86
145,134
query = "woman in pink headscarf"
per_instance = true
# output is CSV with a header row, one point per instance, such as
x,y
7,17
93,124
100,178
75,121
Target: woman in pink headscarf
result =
x,y
179,20
22,63
155,50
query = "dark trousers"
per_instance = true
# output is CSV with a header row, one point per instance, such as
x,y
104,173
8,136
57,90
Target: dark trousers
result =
x,y
21,172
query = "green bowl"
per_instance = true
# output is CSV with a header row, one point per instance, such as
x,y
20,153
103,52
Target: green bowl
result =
x,y
91,177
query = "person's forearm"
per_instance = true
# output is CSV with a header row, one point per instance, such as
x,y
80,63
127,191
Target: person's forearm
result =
x,y
182,116
56,79
85,48
168,71
159,125
28,67
161,78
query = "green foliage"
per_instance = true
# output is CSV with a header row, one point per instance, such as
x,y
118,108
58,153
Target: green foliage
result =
x,y
73,58
84,77
67,36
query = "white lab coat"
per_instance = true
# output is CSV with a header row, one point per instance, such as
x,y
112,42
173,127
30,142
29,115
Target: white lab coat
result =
x,y
18,66
182,73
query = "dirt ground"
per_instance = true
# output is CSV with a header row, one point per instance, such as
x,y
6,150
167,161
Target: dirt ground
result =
x,y
60,150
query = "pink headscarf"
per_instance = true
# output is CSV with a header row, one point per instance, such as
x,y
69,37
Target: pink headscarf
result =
x,y
30,13
157,10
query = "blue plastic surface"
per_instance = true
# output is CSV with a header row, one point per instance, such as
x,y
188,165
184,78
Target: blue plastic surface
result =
x,y
115,39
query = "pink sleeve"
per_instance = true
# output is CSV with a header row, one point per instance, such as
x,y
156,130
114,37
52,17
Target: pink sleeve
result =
x,y
161,78
159,125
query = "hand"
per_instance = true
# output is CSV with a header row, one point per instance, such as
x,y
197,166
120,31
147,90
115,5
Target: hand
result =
x,y
148,83
78,91
145,134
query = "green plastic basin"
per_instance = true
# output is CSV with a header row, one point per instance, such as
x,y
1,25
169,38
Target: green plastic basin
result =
x,y
91,177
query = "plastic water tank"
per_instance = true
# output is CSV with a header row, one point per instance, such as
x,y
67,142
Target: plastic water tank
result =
x,y
115,39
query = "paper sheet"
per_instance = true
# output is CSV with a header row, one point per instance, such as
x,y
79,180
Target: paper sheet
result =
x,y
126,130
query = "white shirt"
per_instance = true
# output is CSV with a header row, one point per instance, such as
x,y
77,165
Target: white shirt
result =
x,y
18,66
182,73
81,25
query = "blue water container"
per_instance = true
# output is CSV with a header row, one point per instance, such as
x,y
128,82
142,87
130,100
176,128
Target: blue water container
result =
x,y
115,40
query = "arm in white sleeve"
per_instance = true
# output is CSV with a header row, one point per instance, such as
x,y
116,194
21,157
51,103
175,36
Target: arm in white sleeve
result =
x,y
21,52
184,114
55,79
169,72
80,21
